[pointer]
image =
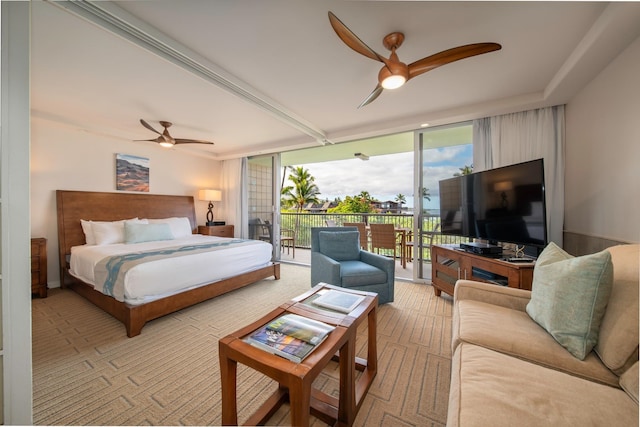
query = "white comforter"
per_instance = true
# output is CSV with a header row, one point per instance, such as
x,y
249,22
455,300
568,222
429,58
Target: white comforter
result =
x,y
160,278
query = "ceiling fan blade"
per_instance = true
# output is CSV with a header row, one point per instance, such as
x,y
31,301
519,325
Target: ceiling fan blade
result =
x,y
148,126
351,40
372,96
191,141
450,55
158,139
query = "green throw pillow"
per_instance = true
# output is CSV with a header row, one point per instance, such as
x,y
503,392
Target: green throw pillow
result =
x,y
569,296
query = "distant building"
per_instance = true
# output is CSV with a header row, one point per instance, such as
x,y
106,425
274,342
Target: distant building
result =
x,y
387,207
319,207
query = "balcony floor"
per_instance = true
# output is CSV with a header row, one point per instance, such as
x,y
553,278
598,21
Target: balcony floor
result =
x,y
303,256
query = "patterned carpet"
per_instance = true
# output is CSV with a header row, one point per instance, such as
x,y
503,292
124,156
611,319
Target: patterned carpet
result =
x,y
87,372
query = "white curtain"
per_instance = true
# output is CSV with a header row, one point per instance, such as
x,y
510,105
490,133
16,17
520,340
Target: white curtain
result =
x,y
234,183
519,137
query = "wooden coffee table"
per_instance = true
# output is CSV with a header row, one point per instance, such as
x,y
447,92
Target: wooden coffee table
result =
x,y
295,379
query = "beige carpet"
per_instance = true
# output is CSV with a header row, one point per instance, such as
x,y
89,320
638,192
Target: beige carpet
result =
x,y
87,372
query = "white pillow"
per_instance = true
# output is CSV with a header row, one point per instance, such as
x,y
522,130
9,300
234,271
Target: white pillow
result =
x,y
180,227
88,232
110,232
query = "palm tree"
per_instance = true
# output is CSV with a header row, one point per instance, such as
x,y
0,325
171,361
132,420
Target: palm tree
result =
x,y
466,170
284,175
365,196
401,199
425,194
303,190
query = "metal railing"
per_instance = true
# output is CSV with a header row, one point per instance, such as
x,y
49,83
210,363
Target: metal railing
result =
x,y
303,222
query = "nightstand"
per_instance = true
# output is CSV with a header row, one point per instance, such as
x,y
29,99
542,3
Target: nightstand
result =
x,y
39,267
216,230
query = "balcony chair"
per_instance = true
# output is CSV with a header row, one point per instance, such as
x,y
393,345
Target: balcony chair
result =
x,y
287,236
336,258
427,241
263,230
384,236
288,239
362,229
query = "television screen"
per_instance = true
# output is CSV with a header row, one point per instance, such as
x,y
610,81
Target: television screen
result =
x,y
505,204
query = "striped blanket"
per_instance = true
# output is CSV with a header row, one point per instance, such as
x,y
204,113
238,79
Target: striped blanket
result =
x,y
111,271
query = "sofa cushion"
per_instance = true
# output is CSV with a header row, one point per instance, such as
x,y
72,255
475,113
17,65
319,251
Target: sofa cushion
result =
x,y
618,340
341,245
629,382
569,296
514,333
358,273
489,388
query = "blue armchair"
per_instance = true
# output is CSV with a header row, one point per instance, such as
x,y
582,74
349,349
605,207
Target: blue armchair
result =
x,y
336,258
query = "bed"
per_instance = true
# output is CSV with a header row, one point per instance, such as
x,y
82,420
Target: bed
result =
x,y
74,206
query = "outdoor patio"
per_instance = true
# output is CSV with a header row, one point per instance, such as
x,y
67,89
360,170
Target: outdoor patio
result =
x,y
303,256
303,222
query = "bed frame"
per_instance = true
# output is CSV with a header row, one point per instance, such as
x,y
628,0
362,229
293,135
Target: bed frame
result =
x,y
98,206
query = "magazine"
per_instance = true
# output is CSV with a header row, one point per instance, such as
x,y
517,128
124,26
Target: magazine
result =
x,y
344,302
281,344
290,336
302,328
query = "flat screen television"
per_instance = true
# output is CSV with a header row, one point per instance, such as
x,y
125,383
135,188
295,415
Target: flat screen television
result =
x,y
505,204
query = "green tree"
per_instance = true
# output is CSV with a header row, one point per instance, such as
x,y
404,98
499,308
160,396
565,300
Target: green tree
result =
x,y
303,191
466,170
401,199
353,204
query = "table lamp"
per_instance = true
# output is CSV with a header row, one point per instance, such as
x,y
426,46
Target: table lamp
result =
x,y
210,196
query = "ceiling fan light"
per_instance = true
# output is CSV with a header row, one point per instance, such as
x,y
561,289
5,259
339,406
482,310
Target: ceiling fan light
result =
x,y
166,144
393,82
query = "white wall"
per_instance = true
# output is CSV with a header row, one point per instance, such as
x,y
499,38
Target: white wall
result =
x,y
63,158
602,197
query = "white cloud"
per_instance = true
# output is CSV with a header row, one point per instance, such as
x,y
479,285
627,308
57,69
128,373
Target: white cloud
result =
x,y
386,176
382,176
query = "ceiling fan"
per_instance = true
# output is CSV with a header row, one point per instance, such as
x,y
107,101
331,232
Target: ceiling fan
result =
x,y
395,73
165,139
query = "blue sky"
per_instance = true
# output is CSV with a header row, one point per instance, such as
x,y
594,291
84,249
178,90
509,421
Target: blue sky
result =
x,y
386,176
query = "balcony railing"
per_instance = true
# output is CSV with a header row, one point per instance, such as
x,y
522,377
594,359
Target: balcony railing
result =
x,y
303,222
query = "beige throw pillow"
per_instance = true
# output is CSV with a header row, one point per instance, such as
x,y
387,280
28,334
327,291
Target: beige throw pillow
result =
x,y
569,296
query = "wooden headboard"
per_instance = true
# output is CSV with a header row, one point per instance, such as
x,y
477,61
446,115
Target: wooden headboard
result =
x,y
72,206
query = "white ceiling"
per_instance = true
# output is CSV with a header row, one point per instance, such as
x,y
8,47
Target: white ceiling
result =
x,y
286,58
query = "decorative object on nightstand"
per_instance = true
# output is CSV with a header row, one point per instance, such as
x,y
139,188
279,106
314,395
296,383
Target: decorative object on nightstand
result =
x,y
39,267
210,196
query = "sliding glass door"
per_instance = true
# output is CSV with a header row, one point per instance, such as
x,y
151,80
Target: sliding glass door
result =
x,y
264,200
440,153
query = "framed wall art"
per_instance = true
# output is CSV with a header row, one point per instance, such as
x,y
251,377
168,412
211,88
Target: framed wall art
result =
x,y
132,173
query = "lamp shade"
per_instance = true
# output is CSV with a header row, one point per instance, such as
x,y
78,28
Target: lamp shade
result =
x,y
503,186
210,195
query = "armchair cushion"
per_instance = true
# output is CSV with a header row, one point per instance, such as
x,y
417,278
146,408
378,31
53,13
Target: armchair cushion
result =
x,y
357,273
344,246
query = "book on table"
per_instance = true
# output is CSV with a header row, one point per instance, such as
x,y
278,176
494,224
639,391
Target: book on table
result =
x,y
302,328
290,336
337,300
